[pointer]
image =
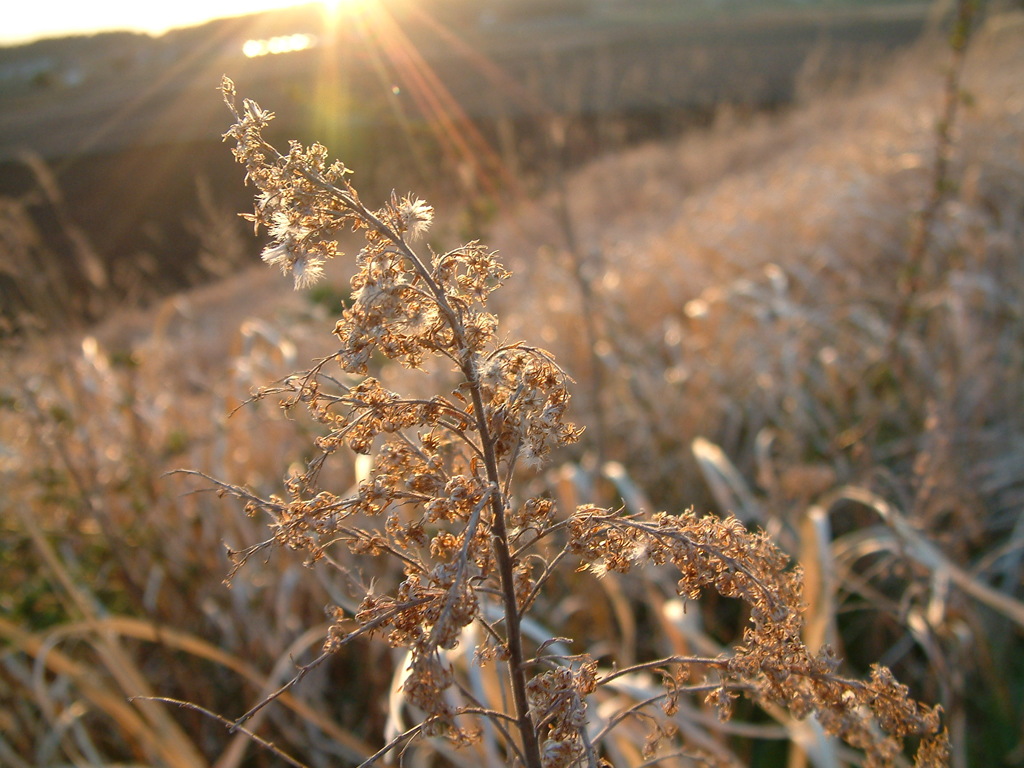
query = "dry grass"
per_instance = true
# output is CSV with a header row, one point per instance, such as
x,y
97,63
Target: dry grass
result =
x,y
746,282
743,285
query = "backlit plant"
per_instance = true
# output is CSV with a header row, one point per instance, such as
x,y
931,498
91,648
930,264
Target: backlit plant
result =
x,y
442,503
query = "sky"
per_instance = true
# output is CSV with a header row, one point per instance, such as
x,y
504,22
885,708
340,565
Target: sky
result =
x,y
25,20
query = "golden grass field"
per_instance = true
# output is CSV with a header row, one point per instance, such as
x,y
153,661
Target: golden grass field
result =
x,y
733,306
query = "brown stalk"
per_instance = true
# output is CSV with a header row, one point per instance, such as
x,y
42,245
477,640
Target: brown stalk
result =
x,y
503,553
912,281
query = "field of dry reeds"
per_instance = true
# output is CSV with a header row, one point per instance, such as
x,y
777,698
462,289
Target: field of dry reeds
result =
x,y
813,321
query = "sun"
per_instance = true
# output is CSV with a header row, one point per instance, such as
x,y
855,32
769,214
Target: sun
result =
x,y
335,6
337,9
333,12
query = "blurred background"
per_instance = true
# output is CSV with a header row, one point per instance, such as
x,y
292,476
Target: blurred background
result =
x,y
453,95
778,244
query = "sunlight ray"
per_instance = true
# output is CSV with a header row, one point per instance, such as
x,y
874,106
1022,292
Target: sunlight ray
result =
x,y
459,138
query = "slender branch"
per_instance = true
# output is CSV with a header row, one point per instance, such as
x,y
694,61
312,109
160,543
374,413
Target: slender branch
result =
x,y
269,746
303,671
541,580
306,669
506,570
401,738
701,660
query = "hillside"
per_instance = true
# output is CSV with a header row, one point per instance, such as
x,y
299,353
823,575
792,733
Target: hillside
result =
x,y
115,140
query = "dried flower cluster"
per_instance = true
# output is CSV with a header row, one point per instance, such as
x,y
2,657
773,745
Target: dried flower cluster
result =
x,y
772,663
439,500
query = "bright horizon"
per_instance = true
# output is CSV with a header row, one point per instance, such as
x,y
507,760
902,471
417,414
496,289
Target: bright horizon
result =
x,y
26,22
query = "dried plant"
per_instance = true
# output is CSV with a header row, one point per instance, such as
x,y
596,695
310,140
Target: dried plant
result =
x,y
476,554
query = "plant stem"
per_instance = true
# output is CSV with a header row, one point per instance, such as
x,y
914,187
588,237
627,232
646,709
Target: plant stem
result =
x,y
913,281
503,555
502,548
